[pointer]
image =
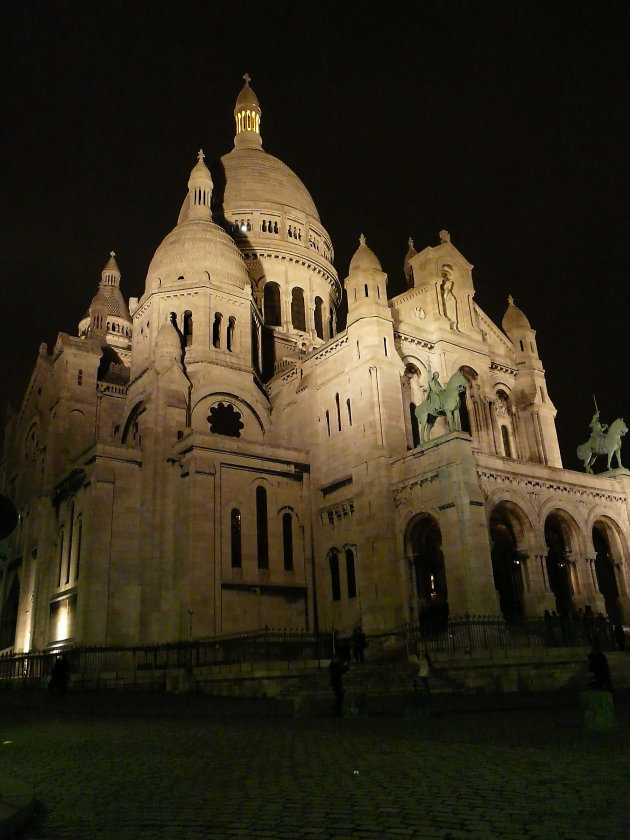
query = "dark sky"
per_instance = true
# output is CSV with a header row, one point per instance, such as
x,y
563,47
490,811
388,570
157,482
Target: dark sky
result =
x,y
504,122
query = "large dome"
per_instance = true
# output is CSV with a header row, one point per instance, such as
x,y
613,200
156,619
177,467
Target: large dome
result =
x,y
249,178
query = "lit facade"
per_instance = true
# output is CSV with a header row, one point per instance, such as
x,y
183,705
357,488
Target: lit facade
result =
x,y
218,456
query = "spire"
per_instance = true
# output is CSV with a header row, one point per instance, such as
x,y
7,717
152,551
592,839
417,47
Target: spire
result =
x,y
408,270
247,115
110,275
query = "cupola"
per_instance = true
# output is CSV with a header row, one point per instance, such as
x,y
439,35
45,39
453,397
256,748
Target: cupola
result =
x,y
247,115
199,190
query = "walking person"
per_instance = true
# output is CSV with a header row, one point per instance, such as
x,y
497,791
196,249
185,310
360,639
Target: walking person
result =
x,y
337,668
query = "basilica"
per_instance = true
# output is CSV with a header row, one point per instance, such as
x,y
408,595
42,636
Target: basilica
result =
x,y
219,455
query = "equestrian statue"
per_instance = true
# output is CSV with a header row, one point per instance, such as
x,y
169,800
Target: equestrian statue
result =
x,y
604,440
440,402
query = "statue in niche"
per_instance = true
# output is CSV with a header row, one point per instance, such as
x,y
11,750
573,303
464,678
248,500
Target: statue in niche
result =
x,y
449,301
501,406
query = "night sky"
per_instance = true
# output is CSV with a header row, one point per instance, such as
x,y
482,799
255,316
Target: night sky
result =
x,y
506,123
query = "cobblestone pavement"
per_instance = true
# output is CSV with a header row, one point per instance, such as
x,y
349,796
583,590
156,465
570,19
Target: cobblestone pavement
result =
x,y
191,768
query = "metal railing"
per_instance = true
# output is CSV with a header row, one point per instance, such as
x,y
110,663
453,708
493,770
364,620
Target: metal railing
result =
x,y
457,635
478,632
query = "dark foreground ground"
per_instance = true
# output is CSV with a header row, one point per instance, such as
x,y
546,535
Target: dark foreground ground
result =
x,y
161,767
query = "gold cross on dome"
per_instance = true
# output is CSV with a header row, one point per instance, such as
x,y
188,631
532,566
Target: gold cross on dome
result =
x,y
247,78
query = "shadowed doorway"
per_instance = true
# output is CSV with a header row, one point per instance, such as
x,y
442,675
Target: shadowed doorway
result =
x,y
427,560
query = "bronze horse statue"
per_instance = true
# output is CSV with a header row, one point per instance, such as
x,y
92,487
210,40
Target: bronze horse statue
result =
x,y
608,443
427,413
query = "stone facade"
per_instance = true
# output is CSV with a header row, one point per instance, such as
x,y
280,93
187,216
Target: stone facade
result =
x,y
217,456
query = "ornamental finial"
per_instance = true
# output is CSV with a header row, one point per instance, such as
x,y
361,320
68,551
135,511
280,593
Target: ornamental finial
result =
x,y
510,300
200,156
362,240
247,78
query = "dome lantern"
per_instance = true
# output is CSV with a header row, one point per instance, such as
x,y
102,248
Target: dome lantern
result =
x,y
247,115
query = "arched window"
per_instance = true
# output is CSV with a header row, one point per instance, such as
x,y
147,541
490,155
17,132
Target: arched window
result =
x,y
216,330
235,537
188,328
271,304
319,317
262,528
70,535
60,558
78,547
287,541
351,574
333,560
505,437
415,428
230,333
298,315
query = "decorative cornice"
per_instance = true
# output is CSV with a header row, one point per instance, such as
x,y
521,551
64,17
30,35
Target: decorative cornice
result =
x,y
412,339
403,492
504,368
533,486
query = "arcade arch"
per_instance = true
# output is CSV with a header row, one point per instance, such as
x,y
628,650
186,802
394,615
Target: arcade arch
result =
x,y
560,537
609,568
423,544
510,534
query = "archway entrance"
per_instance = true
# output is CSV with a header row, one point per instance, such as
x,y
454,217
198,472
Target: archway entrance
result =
x,y
506,566
557,565
429,573
605,573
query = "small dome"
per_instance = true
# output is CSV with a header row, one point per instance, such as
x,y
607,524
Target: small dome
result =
x,y
168,348
200,175
247,97
196,249
514,319
364,258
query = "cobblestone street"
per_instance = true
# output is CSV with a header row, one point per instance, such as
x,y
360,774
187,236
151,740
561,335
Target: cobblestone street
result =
x,y
166,768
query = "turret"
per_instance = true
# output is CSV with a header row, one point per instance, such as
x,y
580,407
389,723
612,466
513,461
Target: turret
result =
x,y
108,317
366,285
537,428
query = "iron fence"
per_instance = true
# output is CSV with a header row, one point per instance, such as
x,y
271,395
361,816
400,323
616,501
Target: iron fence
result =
x,y
453,636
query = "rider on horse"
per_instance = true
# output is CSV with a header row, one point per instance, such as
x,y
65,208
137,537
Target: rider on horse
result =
x,y
597,430
434,397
